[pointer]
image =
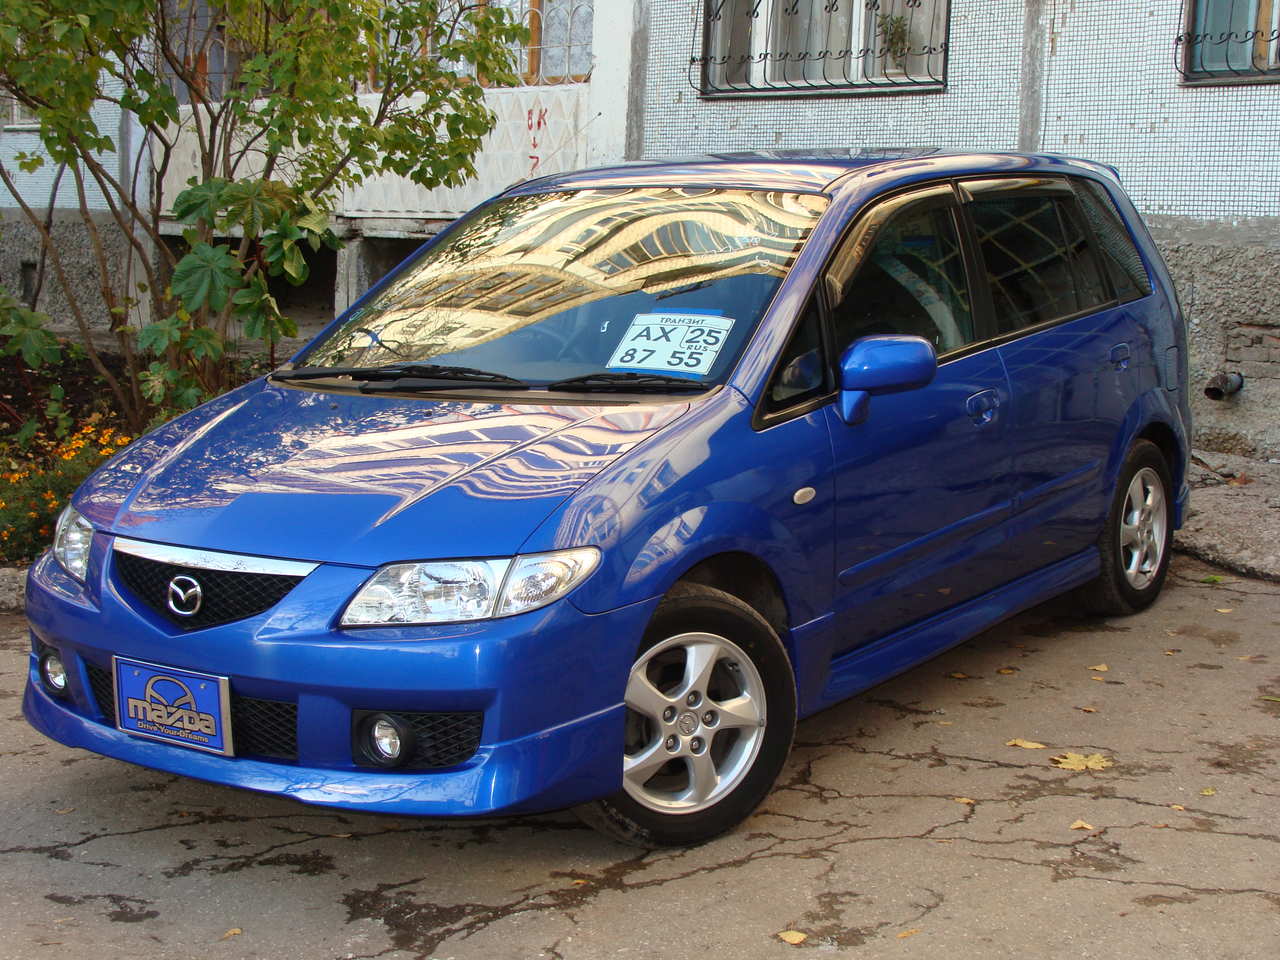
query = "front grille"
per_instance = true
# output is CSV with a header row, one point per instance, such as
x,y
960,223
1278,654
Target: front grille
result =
x,y
226,595
264,728
104,691
443,739
259,728
440,739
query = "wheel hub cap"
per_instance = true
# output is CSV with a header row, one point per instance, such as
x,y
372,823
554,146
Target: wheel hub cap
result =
x,y
679,760
1143,525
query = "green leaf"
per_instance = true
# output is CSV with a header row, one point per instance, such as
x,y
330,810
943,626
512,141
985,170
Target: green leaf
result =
x,y
203,201
156,337
207,276
251,204
25,334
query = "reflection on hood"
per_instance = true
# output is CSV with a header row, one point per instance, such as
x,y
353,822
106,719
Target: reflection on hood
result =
x,y
342,477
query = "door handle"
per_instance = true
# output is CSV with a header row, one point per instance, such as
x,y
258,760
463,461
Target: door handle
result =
x,y
982,406
1120,356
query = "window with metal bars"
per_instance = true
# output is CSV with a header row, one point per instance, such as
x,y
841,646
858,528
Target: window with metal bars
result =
x,y
788,47
1229,41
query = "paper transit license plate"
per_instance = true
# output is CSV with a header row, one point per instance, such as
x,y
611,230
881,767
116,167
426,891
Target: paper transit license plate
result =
x,y
173,705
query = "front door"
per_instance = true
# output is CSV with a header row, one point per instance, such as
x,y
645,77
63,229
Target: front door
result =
x,y
923,487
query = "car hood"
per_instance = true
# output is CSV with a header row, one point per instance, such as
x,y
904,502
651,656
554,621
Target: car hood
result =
x,y
347,478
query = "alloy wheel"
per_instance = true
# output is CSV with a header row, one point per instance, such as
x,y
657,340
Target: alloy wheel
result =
x,y
1143,526
695,722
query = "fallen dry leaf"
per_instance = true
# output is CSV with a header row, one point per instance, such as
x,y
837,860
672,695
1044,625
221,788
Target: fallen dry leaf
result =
x,y
1208,792
1176,806
793,937
957,675
1170,653
908,933
1081,825
945,723
1087,709
1254,658
581,883
1025,744
1007,670
1099,679
1159,826
1100,667
1224,609
341,836
233,932
65,810
963,799
1079,761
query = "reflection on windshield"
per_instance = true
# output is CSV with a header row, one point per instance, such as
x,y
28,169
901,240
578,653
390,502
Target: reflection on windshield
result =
x,y
543,287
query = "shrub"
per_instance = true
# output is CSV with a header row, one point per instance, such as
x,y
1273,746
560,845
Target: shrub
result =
x,y
38,480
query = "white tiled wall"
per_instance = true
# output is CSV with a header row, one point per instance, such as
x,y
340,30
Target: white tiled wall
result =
x,y
1111,93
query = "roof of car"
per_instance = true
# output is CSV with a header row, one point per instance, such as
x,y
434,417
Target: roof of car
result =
x,y
812,171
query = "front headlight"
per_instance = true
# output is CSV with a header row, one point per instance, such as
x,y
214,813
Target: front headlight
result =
x,y
448,591
71,541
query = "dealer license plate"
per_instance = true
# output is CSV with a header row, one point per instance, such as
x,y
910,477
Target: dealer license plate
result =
x,y
173,705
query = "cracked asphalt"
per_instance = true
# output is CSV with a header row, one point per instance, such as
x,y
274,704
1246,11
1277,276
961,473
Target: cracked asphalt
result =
x,y
904,826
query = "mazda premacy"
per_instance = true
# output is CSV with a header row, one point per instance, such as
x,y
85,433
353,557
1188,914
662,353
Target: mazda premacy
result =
x,y
610,482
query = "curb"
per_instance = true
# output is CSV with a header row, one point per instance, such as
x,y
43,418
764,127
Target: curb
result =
x,y
13,585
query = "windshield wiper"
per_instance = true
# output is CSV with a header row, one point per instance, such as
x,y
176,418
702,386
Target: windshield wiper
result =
x,y
627,382
417,373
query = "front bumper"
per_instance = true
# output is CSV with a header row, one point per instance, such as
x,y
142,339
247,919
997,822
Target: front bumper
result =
x,y
548,685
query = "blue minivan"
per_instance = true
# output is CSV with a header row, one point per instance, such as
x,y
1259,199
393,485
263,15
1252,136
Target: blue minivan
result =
x,y
617,477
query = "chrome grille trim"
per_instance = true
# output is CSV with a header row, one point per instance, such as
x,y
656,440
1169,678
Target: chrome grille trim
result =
x,y
212,559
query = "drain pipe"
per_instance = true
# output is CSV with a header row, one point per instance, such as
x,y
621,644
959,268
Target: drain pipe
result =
x,y
1223,385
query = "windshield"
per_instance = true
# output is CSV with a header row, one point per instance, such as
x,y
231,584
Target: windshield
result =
x,y
549,287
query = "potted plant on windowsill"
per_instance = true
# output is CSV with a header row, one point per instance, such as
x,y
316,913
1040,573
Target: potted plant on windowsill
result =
x,y
895,42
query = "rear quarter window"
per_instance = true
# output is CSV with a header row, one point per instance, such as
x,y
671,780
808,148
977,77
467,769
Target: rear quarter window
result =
x,y
1119,256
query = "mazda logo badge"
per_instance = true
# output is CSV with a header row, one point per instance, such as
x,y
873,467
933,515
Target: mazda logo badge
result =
x,y
185,596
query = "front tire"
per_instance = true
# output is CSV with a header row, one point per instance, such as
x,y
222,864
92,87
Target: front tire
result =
x,y
711,712
1135,542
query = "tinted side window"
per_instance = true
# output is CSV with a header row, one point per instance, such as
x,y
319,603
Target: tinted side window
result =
x,y
911,279
1119,255
1091,288
1027,258
802,367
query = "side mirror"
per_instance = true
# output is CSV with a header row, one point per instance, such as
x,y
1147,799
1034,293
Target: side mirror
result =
x,y
889,363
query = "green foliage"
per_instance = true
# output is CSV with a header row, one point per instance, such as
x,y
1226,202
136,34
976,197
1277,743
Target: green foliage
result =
x,y
23,334
317,96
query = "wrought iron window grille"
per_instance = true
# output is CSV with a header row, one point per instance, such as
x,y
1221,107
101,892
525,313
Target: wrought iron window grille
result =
x,y
824,47
1229,41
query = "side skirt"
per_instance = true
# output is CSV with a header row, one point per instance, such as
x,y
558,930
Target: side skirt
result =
x,y
876,662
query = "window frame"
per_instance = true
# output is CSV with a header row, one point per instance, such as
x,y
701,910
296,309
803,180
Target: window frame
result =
x,y
975,274
763,419
1199,76
760,85
18,116
1050,188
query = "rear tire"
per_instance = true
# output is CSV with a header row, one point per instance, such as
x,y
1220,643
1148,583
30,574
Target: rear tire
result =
x,y
711,712
1135,541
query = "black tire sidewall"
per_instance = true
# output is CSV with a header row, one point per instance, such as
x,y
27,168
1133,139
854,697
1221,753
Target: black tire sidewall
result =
x,y
746,629
1143,454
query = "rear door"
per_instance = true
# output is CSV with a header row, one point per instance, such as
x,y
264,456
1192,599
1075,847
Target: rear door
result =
x,y
923,486
1075,358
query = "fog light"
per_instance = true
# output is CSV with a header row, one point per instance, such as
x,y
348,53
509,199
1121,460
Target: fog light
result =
x,y
53,673
385,740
